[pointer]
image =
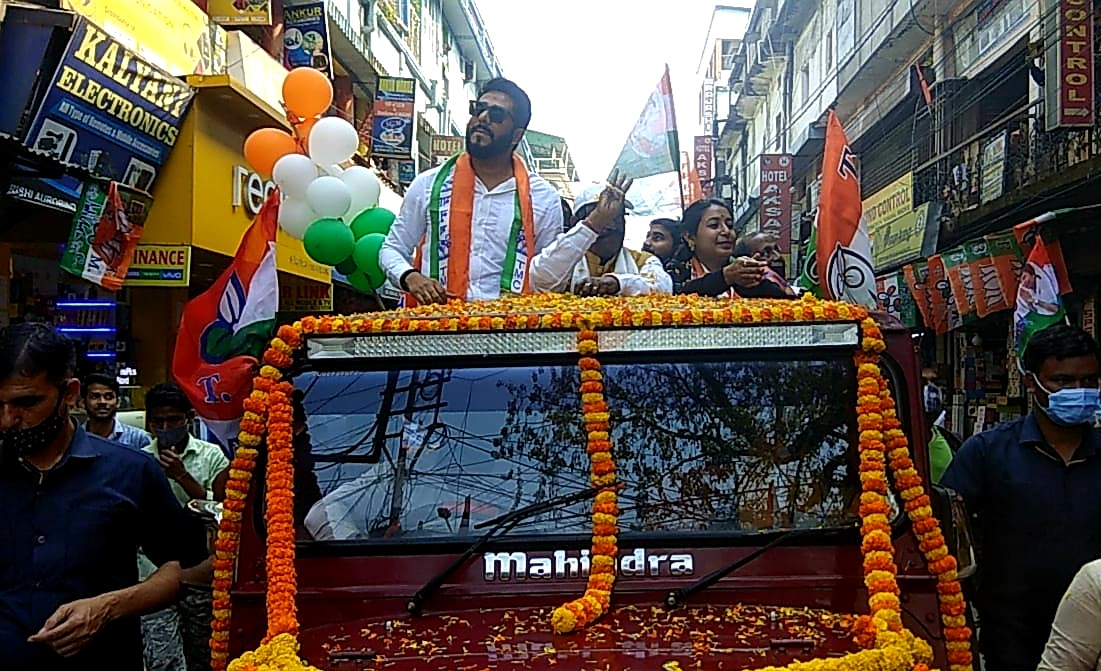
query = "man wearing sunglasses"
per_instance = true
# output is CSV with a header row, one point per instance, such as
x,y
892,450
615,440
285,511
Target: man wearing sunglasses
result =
x,y
470,228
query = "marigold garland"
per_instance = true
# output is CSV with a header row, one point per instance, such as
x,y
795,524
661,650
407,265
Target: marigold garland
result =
x,y
887,644
894,449
228,541
598,594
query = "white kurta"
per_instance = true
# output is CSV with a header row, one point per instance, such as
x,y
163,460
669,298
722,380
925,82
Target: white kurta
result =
x,y
491,224
563,264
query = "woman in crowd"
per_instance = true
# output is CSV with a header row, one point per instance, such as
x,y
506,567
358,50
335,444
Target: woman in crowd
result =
x,y
708,230
664,240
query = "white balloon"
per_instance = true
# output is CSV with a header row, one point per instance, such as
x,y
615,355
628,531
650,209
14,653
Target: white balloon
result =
x,y
333,140
365,190
329,197
293,174
295,216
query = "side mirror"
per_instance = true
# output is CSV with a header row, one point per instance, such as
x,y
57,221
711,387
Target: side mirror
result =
x,y
955,524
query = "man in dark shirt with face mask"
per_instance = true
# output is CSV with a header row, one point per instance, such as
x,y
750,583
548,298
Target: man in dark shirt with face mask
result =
x,y
74,509
1036,485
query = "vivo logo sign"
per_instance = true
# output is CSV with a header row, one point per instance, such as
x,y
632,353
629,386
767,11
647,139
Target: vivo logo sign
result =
x,y
564,565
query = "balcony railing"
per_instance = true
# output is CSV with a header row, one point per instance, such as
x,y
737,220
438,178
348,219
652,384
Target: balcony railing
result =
x,y
1013,159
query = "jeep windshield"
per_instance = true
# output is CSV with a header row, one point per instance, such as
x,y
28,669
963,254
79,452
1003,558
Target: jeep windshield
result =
x,y
707,441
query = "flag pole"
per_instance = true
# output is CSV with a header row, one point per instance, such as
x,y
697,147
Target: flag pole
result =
x,y
675,147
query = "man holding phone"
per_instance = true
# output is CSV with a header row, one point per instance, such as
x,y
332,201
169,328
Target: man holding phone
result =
x,y
196,469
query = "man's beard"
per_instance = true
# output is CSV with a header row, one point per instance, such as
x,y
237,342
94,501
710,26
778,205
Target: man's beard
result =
x,y
496,147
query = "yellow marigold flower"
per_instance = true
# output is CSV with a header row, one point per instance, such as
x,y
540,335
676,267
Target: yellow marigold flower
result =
x,y
563,620
603,480
937,553
603,561
606,497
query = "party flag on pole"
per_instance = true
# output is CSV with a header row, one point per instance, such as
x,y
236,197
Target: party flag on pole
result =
x,y
225,329
808,278
1038,293
652,148
843,248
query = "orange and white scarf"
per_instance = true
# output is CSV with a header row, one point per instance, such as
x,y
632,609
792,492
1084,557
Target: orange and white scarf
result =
x,y
450,218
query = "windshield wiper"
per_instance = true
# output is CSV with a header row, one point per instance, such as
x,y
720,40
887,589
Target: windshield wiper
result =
x,y
499,526
678,597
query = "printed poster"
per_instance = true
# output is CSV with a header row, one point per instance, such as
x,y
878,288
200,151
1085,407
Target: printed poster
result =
x,y
1006,254
990,295
916,276
959,276
392,118
306,38
993,168
107,227
894,298
944,313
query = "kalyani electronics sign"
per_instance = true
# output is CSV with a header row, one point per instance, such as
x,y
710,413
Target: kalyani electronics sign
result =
x,y
108,111
571,565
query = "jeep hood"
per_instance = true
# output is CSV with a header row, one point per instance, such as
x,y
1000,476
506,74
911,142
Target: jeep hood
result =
x,y
630,638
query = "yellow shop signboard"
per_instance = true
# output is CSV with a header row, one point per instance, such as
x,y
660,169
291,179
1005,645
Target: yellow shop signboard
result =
x,y
175,35
207,196
240,12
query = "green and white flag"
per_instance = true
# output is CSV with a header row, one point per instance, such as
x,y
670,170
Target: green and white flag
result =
x,y
652,147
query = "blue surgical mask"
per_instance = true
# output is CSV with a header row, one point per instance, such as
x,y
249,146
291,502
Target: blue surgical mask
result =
x,y
1072,407
171,437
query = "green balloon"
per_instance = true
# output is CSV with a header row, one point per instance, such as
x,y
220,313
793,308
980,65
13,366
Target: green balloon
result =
x,y
329,241
374,220
365,283
347,266
366,257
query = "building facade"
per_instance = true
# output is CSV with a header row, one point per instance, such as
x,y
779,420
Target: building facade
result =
x,y
725,30
553,161
199,194
967,118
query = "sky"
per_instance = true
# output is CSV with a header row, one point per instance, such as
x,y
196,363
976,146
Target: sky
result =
x,y
590,65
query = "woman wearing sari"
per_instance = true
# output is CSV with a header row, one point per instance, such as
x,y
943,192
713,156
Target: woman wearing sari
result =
x,y
708,229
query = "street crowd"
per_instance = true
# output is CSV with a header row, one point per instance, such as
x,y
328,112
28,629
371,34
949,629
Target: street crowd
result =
x,y
102,567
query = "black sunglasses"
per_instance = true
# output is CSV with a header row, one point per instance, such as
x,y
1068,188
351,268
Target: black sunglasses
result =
x,y
497,114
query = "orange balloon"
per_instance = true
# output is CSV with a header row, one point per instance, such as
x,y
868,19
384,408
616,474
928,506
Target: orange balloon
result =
x,y
306,92
266,146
